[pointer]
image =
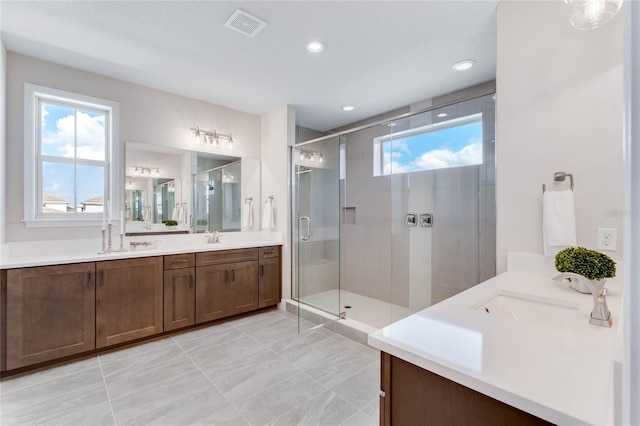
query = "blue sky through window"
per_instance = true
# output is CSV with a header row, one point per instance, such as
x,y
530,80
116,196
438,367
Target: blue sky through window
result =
x,y
73,136
435,148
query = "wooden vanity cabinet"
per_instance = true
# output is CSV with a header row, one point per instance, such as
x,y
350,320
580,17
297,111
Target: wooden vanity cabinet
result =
x,y
270,277
226,283
414,396
50,313
179,291
129,301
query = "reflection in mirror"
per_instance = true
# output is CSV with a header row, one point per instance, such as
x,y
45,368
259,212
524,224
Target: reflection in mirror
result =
x,y
218,198
168,183
164,200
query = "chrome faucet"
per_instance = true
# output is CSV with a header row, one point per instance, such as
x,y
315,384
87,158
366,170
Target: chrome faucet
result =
x,y
213,237
600,314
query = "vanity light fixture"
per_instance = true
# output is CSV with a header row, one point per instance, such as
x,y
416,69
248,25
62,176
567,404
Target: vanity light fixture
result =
x,y
590,14
212,137
347,108
145,171
464,65
315,46
311,156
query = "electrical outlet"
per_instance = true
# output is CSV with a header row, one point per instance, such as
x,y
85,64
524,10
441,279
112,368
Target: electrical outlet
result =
x,y
607,239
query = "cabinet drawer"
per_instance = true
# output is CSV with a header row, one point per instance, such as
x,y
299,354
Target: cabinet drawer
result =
x,y
179,261
266,252
225,256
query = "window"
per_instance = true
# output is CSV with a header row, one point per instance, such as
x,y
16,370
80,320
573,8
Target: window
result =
x,y
70,147
451,143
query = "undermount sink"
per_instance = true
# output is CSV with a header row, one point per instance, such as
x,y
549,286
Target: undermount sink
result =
x,y
529,308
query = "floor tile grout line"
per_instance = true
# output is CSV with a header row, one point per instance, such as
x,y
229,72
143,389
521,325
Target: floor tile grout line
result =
x,y
54,396
211,381
315,396
106,388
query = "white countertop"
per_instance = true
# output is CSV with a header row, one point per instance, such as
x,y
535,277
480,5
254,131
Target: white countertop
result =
x,y
562,373
54,252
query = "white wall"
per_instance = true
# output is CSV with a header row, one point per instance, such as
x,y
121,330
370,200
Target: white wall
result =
x,y
146,115
278,133
559,108
631,326
3,116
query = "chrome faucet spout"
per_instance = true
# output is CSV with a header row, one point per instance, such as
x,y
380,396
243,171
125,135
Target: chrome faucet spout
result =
x,y
213,238
600,314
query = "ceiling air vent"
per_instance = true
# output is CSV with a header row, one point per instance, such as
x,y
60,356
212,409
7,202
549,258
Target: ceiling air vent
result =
x,y
244,23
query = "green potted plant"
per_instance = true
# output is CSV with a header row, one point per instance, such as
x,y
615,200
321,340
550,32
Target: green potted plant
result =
x,y
591,264
169,223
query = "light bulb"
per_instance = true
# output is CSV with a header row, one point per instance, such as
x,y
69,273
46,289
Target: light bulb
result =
x,y
594,13
594,9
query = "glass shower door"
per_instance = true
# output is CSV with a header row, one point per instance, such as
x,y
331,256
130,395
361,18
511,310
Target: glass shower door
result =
x,y
316,227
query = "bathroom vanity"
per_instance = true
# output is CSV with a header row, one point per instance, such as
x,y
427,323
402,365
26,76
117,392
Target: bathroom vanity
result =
x,y
54,308
516,349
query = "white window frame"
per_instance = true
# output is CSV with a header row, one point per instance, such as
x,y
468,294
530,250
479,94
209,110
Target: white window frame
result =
x,y
380,141
33,94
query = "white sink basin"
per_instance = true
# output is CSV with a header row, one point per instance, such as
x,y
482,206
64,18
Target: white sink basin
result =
x,y
555,313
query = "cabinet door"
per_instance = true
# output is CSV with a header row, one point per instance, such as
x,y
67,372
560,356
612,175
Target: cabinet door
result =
x,y
128,300
243,287
179,298
212,283
50,313
269,282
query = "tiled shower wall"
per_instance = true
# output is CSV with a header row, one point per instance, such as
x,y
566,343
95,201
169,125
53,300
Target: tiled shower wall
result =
x,y
416,267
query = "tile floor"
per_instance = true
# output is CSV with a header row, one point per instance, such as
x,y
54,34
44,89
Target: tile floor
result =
x,y
255,370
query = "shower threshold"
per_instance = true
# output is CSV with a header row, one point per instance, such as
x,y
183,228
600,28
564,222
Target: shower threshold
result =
x,y
364,315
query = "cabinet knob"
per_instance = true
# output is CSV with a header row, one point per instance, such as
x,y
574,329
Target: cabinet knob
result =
x,y
173,262
233,275
89,279
190,281
226,276
262,270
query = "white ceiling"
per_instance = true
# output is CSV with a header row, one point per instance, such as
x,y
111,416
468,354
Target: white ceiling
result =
x,y
381,55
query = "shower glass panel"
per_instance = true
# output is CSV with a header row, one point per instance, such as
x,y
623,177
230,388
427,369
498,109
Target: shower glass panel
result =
x,y
316,225
421,194
398,216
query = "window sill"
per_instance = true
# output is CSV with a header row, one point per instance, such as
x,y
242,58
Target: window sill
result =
x,y
65,223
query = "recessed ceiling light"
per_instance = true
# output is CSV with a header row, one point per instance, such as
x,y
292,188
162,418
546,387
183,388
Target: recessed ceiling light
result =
x,y
347,108
442,114
315,46
463,65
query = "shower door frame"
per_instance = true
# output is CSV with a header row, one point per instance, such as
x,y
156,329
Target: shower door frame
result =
x,y
480,92
296,218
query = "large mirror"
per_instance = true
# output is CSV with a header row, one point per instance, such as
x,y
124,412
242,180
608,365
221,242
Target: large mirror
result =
x,y
170,190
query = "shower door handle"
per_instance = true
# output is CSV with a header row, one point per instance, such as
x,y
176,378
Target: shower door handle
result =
x,y
308,234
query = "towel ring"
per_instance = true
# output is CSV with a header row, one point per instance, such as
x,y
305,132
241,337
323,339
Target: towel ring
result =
x,y
560,177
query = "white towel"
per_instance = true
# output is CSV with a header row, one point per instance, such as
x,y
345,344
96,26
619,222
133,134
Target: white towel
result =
x,y
558,221
174,215
268,216
247,216
183,214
